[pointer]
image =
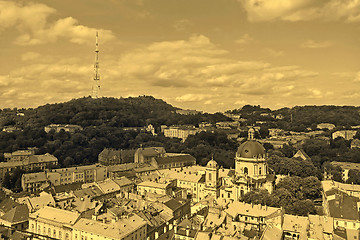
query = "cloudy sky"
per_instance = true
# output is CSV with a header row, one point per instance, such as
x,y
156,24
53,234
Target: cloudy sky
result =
x,y
209,55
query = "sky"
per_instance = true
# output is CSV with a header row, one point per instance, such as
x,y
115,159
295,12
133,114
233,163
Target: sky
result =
x,y
208,55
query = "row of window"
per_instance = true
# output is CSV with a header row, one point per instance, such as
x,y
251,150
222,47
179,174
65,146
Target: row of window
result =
x,y
49,232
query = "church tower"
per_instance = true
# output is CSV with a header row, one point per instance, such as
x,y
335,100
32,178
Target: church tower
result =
x,y
212,181
250,160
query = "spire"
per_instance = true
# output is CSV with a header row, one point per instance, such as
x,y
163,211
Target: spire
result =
x,y
96,83
251,133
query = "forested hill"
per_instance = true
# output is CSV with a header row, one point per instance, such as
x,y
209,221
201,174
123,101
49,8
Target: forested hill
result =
x,y
299,118
112,112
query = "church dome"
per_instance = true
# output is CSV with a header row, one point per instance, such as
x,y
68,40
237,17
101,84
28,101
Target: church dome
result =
x,y
251,149
212,164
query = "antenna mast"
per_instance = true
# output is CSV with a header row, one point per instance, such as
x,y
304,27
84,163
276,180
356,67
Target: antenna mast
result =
x,y
96,83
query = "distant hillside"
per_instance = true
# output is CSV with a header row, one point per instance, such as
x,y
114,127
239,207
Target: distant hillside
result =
x,y
299,118
112,112
102,121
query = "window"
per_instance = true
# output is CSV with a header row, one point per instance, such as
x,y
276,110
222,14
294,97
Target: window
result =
x,y
49,231
54,233
60,235
246,170
259,170
209,176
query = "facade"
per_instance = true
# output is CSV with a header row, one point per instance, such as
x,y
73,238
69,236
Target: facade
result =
x,y
53,222
66,127
242,214
33,182
110,156
341,207
212,180
355,143
346,134
181,132
190,178
346,167
328,126
146,155
251,172
26,162
112,187
85,174
162,188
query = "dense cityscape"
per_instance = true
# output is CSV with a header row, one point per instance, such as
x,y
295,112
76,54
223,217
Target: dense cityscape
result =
x,y
253,175
179,120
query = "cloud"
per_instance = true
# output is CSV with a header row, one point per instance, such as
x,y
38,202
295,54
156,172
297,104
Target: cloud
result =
x,y
28,56
190,97
189,72
182,25
316,44
357,77
32,22
244,39
302,10
263,10
273,53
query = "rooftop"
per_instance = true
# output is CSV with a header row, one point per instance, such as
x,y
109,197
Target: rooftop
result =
x,y
78,168
34,203
343,206
154,184
123,181
151,151
108,186
346,165
329,184
271,233
296,224
57,215
117,230
34,177
187,174
242,208
172,158
17,214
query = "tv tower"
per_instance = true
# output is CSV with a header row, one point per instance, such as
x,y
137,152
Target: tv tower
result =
x,y
96,83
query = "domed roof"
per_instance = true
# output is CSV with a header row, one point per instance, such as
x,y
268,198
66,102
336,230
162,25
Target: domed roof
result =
x,y
212,164
251,149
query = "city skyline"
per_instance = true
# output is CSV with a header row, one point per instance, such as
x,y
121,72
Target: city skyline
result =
x,y
205,55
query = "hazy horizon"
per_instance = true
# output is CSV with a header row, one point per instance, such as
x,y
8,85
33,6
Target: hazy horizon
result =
x,y
206,55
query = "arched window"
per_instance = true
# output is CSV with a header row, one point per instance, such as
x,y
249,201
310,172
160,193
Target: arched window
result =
x,y
246,170
259,170
209,176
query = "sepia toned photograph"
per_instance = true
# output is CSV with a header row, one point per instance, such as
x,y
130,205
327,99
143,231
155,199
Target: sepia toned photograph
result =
x,y
180,120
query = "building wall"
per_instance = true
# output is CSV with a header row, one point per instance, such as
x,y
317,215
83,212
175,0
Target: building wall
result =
x,y
139,234
51,229
142,190
252,168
